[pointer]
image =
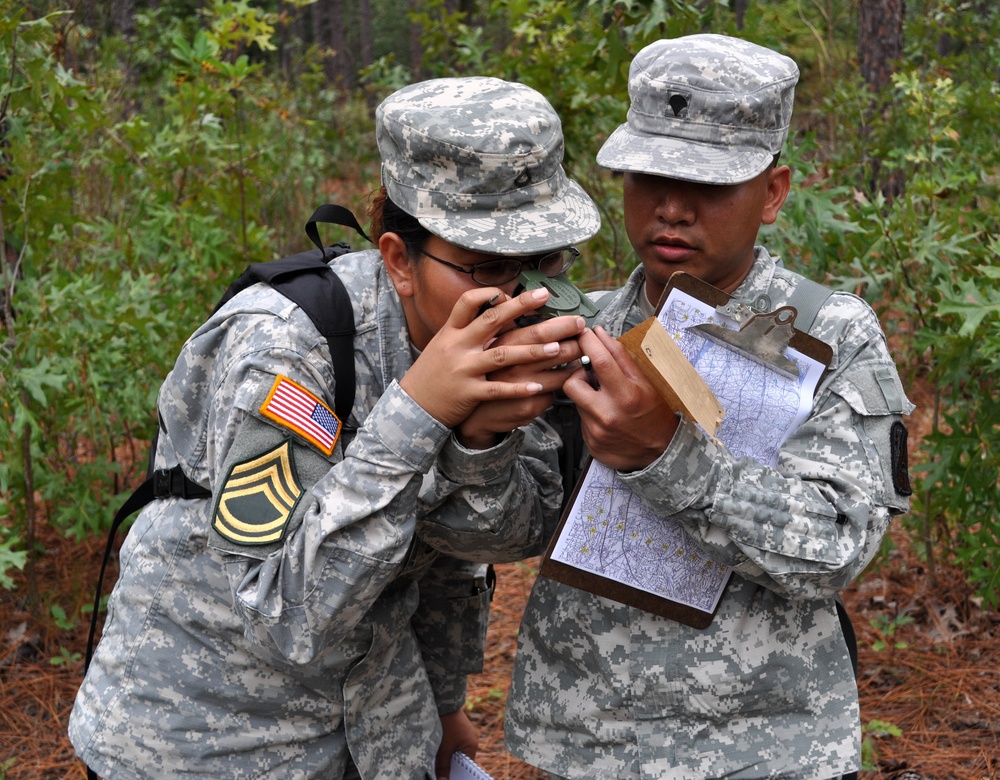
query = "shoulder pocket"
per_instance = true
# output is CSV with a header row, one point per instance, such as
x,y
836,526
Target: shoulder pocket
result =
x,y
874,392
877,397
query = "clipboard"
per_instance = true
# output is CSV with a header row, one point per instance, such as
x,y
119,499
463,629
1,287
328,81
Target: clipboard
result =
x,y
762,337
786,336
612,589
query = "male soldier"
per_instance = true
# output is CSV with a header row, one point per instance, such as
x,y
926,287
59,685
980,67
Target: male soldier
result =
x,y
767,690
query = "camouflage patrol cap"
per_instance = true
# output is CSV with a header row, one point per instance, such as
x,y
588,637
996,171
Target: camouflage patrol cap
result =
x,y
705,108
478,162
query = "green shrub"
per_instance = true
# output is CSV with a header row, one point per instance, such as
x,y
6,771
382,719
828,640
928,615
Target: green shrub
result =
x,y
130,196
127,215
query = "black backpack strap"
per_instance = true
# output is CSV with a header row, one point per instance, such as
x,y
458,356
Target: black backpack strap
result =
x,y
307,280
142,496
566,420
324,298
850,637
332,214
162,483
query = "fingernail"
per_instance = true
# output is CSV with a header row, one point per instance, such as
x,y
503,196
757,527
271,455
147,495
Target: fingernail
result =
x,y
551,348
534,387
540,293
581,323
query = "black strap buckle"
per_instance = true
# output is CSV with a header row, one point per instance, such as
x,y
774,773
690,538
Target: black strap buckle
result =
x,y
161,483
174,483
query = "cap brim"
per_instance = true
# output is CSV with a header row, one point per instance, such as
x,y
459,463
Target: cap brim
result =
x,y
569,217
627,150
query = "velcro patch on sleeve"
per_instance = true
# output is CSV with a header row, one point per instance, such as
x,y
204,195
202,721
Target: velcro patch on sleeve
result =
x,y
292,406
900,459
258,498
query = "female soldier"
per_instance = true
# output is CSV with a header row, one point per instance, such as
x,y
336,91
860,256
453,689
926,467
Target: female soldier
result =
x,y
318,615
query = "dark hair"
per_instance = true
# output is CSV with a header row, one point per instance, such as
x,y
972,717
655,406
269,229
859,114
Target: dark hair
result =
x,y
387,217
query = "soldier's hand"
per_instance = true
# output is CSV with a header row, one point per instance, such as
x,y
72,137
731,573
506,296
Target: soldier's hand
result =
x,y
626,424
480,429
451,376
458,734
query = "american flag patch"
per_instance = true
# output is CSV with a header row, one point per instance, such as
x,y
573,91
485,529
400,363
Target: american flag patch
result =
x,y
294,407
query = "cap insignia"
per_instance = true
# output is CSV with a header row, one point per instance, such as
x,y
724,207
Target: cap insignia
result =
x,y
678,103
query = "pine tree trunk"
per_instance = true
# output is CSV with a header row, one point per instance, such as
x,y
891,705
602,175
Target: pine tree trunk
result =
x,y
416,53
880,46
880,39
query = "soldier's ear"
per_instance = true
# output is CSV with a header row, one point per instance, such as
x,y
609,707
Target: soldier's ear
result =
x,y
397,263
779,182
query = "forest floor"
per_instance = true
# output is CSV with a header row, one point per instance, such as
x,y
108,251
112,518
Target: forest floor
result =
x,y
931,709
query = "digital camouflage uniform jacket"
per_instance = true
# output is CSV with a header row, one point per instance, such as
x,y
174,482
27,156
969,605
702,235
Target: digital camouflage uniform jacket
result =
x,y
355,630
603,690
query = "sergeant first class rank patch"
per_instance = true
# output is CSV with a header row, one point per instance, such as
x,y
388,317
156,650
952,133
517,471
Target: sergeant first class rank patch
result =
x,y
293,407
258,498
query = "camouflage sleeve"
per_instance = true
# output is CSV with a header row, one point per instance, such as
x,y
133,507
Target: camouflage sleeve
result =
x,y
309,532
808,526
346,538
450,624
494,505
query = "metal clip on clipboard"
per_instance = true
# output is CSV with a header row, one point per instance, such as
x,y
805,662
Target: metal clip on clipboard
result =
x,y
763,334
763,337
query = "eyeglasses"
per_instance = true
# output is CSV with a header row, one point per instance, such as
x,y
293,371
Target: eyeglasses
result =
x,y
491,273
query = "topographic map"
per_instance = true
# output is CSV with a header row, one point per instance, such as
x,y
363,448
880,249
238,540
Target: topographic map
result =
x,y
763,406
610,532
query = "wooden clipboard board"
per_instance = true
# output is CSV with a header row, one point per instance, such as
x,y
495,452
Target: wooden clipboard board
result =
x,y
786,335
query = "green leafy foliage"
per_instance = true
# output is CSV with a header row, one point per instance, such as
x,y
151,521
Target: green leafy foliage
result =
x,y
934,250
10,558
129,197
65,658
886,627
875,730
124,218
